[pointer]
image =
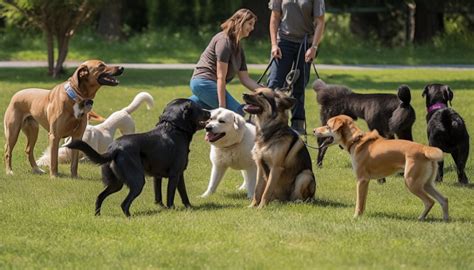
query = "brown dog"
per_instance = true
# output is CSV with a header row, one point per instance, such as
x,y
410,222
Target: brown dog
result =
x,y
284,169
61,111
374,157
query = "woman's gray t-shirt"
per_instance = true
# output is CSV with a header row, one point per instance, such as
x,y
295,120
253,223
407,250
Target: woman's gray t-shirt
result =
x,y
297,17
221,49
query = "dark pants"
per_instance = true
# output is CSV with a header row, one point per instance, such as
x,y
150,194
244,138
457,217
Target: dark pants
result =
x,y
280,69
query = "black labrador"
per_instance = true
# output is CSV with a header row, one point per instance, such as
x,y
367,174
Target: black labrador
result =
x,y
446,128
161,152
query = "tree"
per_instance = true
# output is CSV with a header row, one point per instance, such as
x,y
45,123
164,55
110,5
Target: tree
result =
x,y
260,8
429,20
110,20
57,19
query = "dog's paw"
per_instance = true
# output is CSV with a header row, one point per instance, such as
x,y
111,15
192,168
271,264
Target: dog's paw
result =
x,y
9,172
253,204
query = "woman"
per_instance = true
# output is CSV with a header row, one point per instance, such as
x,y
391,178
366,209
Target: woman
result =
x,y
221,61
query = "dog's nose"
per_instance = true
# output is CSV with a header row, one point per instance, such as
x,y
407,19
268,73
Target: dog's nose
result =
x,y
121,69
208,128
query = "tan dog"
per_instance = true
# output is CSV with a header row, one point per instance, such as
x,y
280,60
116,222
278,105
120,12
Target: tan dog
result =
x,y
374,157
284,169
61,111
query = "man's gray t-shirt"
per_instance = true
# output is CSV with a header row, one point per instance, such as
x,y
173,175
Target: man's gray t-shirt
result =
x,y
297,18
222,49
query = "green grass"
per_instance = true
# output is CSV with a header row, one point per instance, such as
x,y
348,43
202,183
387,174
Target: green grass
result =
x,y
339,46
49,223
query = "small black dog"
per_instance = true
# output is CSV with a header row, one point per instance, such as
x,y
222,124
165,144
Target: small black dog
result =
x,y
161,152
389,114
446,128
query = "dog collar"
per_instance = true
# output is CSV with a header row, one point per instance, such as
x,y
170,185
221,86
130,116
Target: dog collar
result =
x,y
354,141
436,106
71,93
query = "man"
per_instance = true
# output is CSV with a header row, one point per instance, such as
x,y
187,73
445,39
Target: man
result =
x,y
295,24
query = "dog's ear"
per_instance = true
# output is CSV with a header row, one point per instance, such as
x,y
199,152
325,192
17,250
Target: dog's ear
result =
x,y
425,91
285,102
335,123
448,94
239,122
81,72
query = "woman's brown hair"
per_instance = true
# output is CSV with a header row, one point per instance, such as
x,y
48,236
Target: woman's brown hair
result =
x,y
233,26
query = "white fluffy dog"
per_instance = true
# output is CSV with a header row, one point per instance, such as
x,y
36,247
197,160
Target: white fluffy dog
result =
x,y
100,136
232,141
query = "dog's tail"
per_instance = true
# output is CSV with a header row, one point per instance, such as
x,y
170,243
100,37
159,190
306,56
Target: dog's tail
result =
x,y
90,152
404,94
138,100
403,117
64,156
433,153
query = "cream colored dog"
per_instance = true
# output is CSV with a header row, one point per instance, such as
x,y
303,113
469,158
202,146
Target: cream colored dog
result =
x,y
100,136
61,111
374,157
232,140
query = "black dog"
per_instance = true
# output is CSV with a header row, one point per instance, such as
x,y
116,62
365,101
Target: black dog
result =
x,y
389,114
161,152
446,128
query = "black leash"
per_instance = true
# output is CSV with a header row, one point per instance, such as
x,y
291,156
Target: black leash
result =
x,y
266,70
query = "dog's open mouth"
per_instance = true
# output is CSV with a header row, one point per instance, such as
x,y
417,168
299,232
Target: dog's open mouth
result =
x,y
109,79
213,137
327,141
253,109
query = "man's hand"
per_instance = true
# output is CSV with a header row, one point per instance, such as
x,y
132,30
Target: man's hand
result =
x,y
276,52
310,54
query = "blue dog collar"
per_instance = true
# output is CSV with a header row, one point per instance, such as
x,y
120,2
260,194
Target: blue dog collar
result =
x,y
70,92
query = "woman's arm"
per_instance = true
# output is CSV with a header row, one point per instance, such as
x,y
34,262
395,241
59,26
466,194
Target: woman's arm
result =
x,y
221,83
247,81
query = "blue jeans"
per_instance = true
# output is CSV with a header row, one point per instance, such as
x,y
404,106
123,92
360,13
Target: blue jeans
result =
x,y
205,94
282,66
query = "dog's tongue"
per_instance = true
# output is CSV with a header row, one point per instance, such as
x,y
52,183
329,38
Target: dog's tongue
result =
x,y
209,136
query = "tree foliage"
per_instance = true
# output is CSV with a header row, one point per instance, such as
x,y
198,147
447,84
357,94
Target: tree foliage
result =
x,y
57,19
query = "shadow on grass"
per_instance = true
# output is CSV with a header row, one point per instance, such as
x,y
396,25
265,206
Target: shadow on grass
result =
x,y
367,81
456,184
329,203
236,195
213,206
160,78
429,219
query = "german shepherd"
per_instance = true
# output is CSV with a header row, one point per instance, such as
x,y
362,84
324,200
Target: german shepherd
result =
x,y
374,157
284,169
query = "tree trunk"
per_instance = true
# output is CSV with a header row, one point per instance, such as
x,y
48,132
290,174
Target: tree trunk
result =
x,y
110,21
50,49
428,22
63,44
260,8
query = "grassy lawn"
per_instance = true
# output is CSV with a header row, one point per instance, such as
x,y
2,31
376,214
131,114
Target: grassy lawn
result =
x,y
49,223
339,46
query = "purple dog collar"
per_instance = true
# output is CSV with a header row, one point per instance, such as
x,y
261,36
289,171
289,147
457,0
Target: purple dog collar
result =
x,y
436,106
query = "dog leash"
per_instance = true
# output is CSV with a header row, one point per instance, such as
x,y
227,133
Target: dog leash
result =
x,y
266,70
